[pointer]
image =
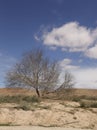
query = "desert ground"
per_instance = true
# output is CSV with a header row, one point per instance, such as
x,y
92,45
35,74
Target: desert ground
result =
x,y
37,128
50,111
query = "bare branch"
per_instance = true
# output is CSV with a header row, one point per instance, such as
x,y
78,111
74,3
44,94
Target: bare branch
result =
x,y
35,71
68,81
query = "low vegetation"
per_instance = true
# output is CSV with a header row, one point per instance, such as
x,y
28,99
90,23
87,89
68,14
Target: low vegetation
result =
x,y
83,97
24,106
28,102
19,99
86,104
8,124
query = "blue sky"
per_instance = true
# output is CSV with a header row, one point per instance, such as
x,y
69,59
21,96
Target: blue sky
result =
x,y
65,29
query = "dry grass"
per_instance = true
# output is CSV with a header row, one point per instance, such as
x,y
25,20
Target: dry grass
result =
x,y
75,94
78,92
15,91
86,92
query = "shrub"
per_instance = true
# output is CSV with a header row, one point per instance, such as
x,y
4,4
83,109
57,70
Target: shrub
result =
x,y
45,107
76,99
10,99
31,99
94,105
8,124
25,107
82,104
83,97
85,104
18,99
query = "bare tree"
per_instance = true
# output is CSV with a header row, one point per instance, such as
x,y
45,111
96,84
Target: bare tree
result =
x,y
34,71
68,82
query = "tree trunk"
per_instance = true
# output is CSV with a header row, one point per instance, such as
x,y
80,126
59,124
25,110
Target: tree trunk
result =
x,y
37,91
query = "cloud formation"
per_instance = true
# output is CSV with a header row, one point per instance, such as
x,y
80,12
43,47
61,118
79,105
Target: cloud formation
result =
x,y
73,37
84,77
92,52
66,64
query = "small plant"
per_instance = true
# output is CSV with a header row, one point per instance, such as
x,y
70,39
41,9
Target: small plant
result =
x,y
82,104
31,99
45,107
94,105
24,106
83,97
7,124
90,98
76,99
85,104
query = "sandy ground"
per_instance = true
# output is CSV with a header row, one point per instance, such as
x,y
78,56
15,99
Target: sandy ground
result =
x,y
49,114
36,128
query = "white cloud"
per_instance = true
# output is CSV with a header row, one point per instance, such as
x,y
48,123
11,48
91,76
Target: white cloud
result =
x,y
66,64
84,77
80,60
70,35
64,49
36,38
53,48
92,52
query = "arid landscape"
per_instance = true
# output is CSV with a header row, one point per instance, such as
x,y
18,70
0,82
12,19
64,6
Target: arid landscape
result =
x,y
22,107
48,65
